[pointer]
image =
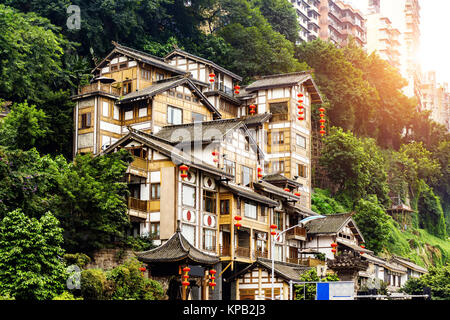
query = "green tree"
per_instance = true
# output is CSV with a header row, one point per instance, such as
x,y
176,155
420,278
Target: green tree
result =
x,y
437,278
353,165
372,221
281,15
323,203
308,291
30,256
130,284
431,215
24,127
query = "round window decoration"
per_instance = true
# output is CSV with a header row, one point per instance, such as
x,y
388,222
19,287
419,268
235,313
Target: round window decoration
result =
x,y
189,216
209,221
209,183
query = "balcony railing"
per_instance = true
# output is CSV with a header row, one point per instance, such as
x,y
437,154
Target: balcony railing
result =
x,y
279,117
262,254
223,88
225,251
308,262
137,204
99,87
139,163
243,252
297,233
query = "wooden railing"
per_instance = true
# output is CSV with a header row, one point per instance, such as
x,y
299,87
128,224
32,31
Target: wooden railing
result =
x,y
307,262
225,251
279,117
296,233
243,252
262,254
137,204
95,87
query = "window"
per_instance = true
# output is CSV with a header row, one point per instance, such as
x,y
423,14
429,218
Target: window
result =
x,y
180,95
86,120
189,233
250,210
198,117
123,65
278,252
154,230
264,214
278,137
126,88
174,115
209,201
209,240
277,166
224,206
188,196
247,144
247,176
128,113
278,220
229,167
159,76
301,170
156,191
105,109
301,141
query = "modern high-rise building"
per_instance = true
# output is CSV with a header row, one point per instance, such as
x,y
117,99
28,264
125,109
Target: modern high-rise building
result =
x,y
339,21
405,17
308,19
383,38
435,99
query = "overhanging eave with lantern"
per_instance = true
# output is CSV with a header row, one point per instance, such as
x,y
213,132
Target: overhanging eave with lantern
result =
x,y
175,259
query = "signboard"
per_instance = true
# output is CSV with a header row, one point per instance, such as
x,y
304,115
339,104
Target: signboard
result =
x,y
339,290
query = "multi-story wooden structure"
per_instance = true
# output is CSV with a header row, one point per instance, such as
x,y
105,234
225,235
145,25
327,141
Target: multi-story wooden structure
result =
x,y
247,157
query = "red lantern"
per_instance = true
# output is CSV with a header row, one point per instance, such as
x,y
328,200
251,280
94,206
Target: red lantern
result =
x,y
216,156
300,113
186,269
300,95
238,225
142,269
301,118
185,283
287,189
297,194
322,127
334,251
322,110
322,120
322,115
184,170
322,132
236,89
300,101
334,245
252,109
300,106
260,175
212,271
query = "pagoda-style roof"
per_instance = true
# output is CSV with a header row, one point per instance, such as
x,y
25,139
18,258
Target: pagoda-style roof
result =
x,y
281,181
177,249
270,188
348,262
409,264
256,120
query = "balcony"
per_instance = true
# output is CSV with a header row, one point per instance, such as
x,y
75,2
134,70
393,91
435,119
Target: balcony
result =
x,y
221,87
137,204
262,254
99,87
307,262
276,117
243,252
298,233
139,163
225,251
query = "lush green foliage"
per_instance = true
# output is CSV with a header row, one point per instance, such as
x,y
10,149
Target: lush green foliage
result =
x,y
431,216
353,165
78,259
24,127
30,256
124,282
129,284
323,203
372,222
87,196
437,278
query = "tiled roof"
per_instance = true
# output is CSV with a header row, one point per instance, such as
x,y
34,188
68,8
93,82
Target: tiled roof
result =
x,y
287,271
286,80
199,131
205,61
353,246
331,224
177,248
409,264
257,119
141,56
270,188
276,177
167,149
250,194
164,85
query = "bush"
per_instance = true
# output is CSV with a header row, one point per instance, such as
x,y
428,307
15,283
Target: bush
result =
x,y
79,259
310,289
94,285
66,296
129,284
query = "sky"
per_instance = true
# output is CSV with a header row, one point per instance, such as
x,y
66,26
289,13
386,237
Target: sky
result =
x,y
434,53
